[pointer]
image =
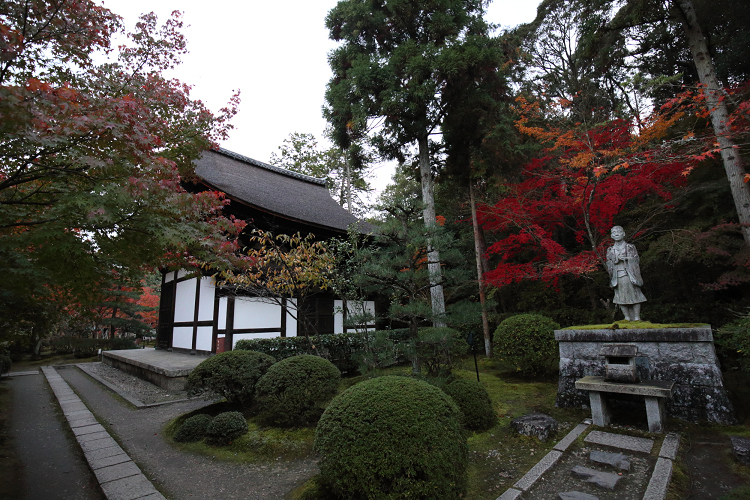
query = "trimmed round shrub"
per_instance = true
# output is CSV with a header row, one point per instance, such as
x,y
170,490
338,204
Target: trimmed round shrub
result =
x,y
295,391
232,374
393,437
5,364
193,429
527,342
474,402
225,428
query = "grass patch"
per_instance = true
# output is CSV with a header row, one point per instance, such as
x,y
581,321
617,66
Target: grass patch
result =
x,y
631,325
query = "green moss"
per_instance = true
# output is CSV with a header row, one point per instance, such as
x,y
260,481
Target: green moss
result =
x,y
632,325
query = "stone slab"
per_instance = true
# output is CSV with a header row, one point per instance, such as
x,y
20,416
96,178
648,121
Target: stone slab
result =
x,y
576,495
19,374
103,453
536,472
98,444
67,398
82,421
128,488
657,486
741,449
670,445
72,406
108,461
696,334
604,480
153,496
616,460
115,472
641,445
510,494
89,429
571,437
92,437
77,414
653,388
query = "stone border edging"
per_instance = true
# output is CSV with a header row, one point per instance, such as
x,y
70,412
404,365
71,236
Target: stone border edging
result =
x,y
119,477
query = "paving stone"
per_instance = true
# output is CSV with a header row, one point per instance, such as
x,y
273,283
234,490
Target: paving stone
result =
x,y
642,445
89,429
85,438
98,444
576,495
128,488
741,449
84,421
536,472
605,480
153,496
510,494
571,437
77,414
107,461
67,398
657,486
538,425
103,453
118,471
617,460
670,445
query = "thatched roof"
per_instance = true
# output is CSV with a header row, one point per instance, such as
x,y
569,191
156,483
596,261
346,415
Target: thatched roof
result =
x,y
273,190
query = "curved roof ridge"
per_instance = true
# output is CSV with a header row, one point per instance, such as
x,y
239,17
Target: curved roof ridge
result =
x,y
278,170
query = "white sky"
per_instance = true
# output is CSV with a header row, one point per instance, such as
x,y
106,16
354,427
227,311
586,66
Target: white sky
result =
x,y
276,54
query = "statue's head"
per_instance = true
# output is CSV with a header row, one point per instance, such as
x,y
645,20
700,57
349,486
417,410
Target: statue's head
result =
x,y
617,233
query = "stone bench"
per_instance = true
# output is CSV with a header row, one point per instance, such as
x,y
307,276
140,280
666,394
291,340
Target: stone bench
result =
x,y
655,392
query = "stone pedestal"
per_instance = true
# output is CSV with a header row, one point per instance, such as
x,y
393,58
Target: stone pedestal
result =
x,y
685,356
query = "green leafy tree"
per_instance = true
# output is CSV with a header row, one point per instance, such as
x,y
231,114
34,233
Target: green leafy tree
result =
x,y
393,67
93,156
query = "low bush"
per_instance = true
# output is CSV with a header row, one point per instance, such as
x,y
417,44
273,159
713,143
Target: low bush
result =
x,y
294,391
343,350
393,437
193,429
5,363
439,348
527,343
225,428
475,404
733,344
231,374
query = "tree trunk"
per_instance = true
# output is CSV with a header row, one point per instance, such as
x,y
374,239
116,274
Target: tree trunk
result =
x,y
433,254
719,115
478,250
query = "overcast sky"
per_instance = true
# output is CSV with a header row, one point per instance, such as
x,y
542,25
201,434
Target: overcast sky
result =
x,y
275,52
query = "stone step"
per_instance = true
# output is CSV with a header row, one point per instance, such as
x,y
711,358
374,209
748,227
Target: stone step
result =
x,y
604,480
642,445
616,460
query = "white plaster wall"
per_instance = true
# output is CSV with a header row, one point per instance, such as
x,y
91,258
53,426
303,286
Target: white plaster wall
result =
x,y
183,337
181,273
184,303
203,341
338,316
223,313
169,276
242,336
206,305
291,321
352,308
253,313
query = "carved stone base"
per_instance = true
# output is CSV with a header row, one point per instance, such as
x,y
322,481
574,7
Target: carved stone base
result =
x,y
683,355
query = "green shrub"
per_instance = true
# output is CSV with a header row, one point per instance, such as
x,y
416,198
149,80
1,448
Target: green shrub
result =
x,y
733,344
5,363
393,437
527,342
294,391
193,429
225,428
475,404
439,348
232,374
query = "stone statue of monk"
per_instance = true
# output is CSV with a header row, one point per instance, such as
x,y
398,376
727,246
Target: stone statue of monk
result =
x,y
625,275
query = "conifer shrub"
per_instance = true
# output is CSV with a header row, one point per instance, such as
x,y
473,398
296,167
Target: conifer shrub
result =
x,y
294,391
527,343
474,402
231,374
193,429
439,349
393,438
225,428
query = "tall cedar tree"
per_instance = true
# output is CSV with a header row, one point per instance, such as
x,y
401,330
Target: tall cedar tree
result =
x,y
393,65
93,156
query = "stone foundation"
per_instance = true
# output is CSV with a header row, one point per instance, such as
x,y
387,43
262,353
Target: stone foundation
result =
x,y
683,355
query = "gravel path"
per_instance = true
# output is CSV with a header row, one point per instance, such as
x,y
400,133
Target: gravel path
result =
x,y
176,474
